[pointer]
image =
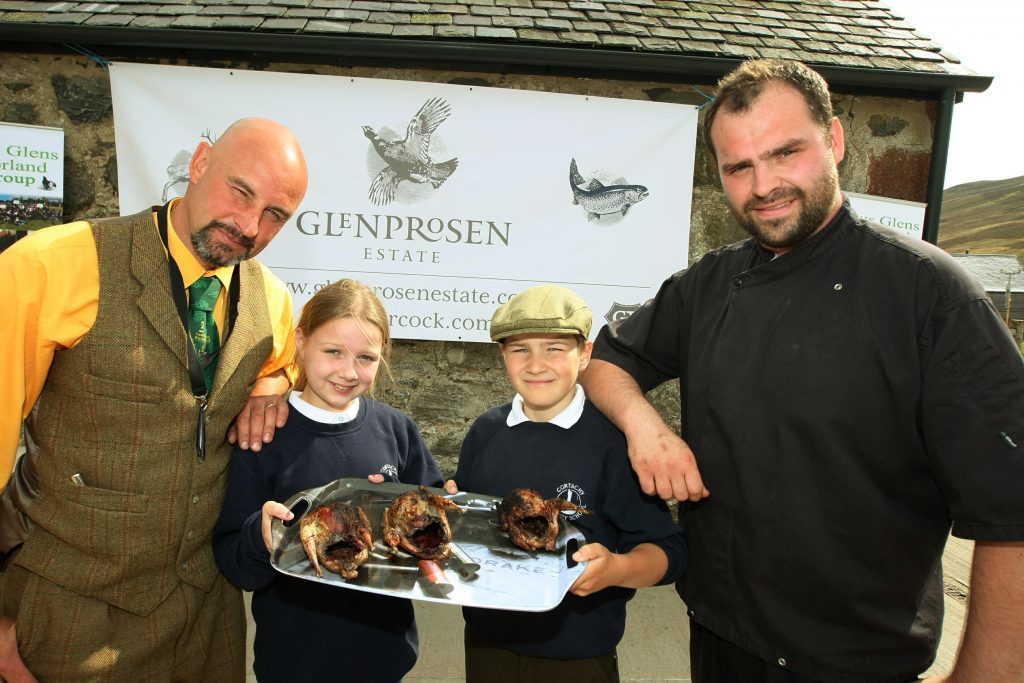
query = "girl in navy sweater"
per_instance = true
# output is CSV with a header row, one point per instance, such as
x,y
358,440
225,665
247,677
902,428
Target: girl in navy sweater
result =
x,y
306,630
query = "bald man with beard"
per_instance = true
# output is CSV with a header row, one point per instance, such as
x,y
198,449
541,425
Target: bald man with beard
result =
x,y
106,520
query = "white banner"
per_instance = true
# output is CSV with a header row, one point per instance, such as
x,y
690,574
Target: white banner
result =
x,y
898,214
447,199
31,176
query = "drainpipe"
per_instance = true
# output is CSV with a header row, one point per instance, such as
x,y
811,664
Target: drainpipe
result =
x,y
937,174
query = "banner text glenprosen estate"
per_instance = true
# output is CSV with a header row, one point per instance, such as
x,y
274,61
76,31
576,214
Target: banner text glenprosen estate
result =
x,y
404,229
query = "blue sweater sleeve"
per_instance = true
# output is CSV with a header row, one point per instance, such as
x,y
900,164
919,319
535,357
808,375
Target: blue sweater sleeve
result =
x,y
464,464
238,544
475,441
419,465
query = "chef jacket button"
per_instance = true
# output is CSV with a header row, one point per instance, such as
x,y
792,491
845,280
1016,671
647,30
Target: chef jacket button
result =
x,y
689,612
737,281
782,661
195,499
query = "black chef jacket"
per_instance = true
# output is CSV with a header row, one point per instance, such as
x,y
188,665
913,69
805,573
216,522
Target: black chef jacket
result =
x,y
846,402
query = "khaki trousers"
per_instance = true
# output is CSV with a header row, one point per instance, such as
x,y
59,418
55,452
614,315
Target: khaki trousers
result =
x,y
62,636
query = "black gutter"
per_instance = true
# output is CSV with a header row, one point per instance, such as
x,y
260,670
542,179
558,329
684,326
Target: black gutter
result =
x,y
465,54
468,55
937,173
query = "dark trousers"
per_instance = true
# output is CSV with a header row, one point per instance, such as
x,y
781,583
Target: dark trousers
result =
x,y
716,660
488,663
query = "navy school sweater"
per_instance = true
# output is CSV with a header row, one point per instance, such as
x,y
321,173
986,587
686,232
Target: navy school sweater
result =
x,y
588,464
307,631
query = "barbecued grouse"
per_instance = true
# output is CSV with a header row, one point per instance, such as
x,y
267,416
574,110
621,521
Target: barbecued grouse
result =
x,y
338,536
416,522
531,521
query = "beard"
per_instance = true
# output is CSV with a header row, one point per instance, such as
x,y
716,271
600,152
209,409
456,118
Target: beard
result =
x,y
218,253
782,233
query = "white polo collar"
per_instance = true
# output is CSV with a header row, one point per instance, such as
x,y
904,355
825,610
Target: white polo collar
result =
x,y
565,419
324,416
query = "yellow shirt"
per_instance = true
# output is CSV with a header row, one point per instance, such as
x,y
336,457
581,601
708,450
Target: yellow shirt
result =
x,y
49,298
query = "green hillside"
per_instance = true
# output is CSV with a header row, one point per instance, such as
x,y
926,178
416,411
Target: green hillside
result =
x,y
985,217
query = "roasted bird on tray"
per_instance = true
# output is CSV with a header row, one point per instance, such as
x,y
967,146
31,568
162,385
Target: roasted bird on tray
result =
x,y
417,523
532,522
338,536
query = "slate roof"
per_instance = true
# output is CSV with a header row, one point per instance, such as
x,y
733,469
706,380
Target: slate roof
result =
x,y
854,33
993,271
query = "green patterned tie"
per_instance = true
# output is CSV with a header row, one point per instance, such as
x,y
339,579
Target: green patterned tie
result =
x,y
201,325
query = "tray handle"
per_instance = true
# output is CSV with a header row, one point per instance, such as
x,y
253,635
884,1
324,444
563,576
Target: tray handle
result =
x,y
298,509
571,546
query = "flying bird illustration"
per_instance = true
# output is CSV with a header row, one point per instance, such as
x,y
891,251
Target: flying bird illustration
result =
x,y
177,171
409,159
598,199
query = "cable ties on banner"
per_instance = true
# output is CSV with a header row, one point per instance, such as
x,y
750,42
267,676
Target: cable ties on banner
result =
x,y
703,94
91,55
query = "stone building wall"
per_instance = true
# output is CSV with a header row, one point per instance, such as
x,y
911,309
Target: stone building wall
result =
x,y
445,385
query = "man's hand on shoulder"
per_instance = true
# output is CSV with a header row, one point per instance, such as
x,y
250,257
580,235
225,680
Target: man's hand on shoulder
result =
x,y
256,423
264,412
665,465
662,461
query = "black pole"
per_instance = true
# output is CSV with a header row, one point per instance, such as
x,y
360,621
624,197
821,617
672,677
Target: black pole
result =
x,y
937,175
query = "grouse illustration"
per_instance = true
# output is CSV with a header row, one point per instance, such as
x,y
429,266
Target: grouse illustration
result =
x,y
409,159
177,170
598,199
48,184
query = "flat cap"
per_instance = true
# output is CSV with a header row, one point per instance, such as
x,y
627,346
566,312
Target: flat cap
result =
x,y
544,309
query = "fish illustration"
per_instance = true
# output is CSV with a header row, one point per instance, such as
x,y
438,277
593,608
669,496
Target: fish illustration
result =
x,y
598,199
409,159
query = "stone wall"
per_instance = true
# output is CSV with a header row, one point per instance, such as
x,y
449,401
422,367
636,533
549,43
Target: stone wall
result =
x,y
445,385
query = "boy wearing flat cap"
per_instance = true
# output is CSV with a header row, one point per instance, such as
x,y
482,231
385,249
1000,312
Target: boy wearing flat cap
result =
x,y
551,439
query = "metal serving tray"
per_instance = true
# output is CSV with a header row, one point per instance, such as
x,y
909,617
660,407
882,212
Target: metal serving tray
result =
x,y
484,570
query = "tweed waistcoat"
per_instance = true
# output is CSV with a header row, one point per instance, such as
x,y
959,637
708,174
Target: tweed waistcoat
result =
x,y
118,410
